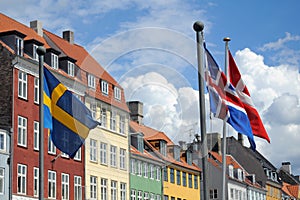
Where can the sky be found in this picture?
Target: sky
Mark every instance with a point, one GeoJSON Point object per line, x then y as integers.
{"type": "Point", "coordinates": [149, 48]}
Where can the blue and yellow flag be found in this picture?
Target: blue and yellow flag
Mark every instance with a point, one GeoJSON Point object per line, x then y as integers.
{"type": "Point", "coordinates": [68, 119]}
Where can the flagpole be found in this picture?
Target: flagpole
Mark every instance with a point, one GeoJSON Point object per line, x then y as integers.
{"type": "Point", "coordinates": [226, 40]}
{"type": "Point", "coordinates": [198, 27]}
{"type": "Point", "coordinates": [41, 52]}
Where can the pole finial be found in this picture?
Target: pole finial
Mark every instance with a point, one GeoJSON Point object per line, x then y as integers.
{"type": "Point", "coordinates": [226, 39]}
{"type": "Point", "coordinates": [198, 26]}
{"type": "Point", "coordinates": [41, 51]}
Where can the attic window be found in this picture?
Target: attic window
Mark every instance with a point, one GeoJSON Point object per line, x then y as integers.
{"type": "Point", "coordinates": [230, 168]}
{"type": "Point", "coordinates": [71, 69]}
{"type": "Point", "coordinates": [54, 61]}
{"type": "Point", "coordinates": [35, 56]}
{"type": "Point", "coordinates": [19, 46]}
{"type": "Point", "coordinates": [91, 81]}
{"type": "Point", "coordinates": [117, 93]}
{"type": "Point", "coordinates": [104, 87]}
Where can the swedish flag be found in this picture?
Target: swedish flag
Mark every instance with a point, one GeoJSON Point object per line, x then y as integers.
{"type": "Point", "coordinates": [68, 119]}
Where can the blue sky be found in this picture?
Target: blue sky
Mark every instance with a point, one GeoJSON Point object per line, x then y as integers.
{"type": "Point", "coordinates": [149, 47]}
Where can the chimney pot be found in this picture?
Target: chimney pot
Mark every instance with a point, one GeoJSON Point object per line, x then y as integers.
{"type": "Point", "coordinates": [69, 36]}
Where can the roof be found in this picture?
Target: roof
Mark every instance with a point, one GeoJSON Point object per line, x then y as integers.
{"type": "Point", "coordinates": [8, 24]}
{"type": "Point", "coordinates": [291, 190]}
{"type": "Point", "coordinates": [145, 154]}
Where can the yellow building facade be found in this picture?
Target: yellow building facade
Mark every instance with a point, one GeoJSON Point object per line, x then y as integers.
{"type": "Point", "coordinates": [273, 191]}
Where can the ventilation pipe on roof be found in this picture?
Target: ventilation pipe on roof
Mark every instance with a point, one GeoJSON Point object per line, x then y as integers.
{"type": "Point", "coordinates": [69, 36]}
{"type": "Point", "coordinates": [37, 26]}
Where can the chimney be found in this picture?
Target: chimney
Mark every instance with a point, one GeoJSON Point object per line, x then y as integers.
{"type": "Point", "coordinates": [37, 26]}
{"type": "Point", "coordinates": [214, 142]}
{"type": "Point", "coordinates": [183, 145]}
{"type": "Point", "coordinates": [240, 139]}
{"type": "Point", "coordinates": [136, 111]}
{"type": "Point", "coordinates": [69, 36]}
{"type": "Point", "coordinates": [287, 167]}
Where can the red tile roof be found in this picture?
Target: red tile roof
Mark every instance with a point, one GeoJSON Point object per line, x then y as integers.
{"type": "Point", "coordinates": [8, 24]}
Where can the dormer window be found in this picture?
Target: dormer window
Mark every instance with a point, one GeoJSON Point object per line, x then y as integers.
{"type": "Point", "coordinates": [240, 174]}
{"type": "Point", "coordinates": [104, 87]}
{"type": "Point", "coordinates": [230, 171]}
{"type": "Point", "coordinates": [117, 93]}
{"type": "Point", "coordinates": [163, 148]}
{"type": "Point", "coordinates": [54, 61]}
{"type": "Point", "coordinates": [19, 46]}
{"type": "Point", "coordinates": [91, 81]}
{"type": "Point", "coordinates": [71, 69]}
{"type": "Point", "coordinates": [35, 56]}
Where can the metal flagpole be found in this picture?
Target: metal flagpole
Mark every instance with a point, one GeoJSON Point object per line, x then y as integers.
{"type": "Point", "coordinates": [41, 52]}
{"type": "Point", "coordinates": [226, 40]}
{"type": "Point", "coordinates": [198, 27]}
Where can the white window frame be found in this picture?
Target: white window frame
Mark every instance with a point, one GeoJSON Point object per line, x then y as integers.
{"type": "Point", "coordinates": [35, 182]}
{"type": "Point", "coordinates": [78, 155]}
{"type": "Point", "coordinates": [113, 190]}
{"type": "Point", "coordinates": [122, 158]}
{"type": "Point", "coordinates": [35, 55]}
{"type": "Point", "coordinates": [71, 69]}
{"type": "Point", "coordinates": [93, 108]}
{"type": "Point", "coordinates": [103, 189]}
{"type": "Point", "coordinates": [158, 173]}
{"type": "Point", "coordinates": [104, 87]}
{"type": "Point", "coordinates": [145, 170]}
{"type": "Point", "coordinates": [113, 121]}
{"type": "Point", "coordinates": [22, 179]}
{"type": "Point", "coordinates": [122, 124]}
{"type": "Point", "coordinates": [77, 188]}
{"type": "Point", "coordinates": [139, 168]}
{"type": "Point", "coordinates": [22, 85]}
{"type": "Point", "coordinates": [19, 46]}
{"type": "Point", "coordinates": [113, 156]}
{"type": "Point", "coordinates": [93, 187]}
{"type": "Point", "coordinates": [2, 180]}
{"type": "Point", "coordinates": [151, 171]}
{"type": "Point", "coordinates": [132, 166]}
{"type": "Point", "coordinates": [65, 186]}
{"type": "Point", "coordinates": [103, 153]}
{"type": "Point", "coordinates": [2, 141]}
{"type": "Point", "coordinates": [122, 191]}
{"type": "Point", "coordinates": [140, 195]}
{"type": "Point", "coordinates": [36, 135]}
{"type": "Point", "coordinates": [22, 131]}
{"type": "Point", "coordinates": [132, 194]}
{"type": "Point", "coordinates": [146, 196]}
{"type": "Point", "coordinates": [51, 147]}
{"type": "Point", "coordinates": [117, 93]}
{"type": "Point", "coordinates": [91, 81]}
{"type": "Point", "coordinates": [103, 117]}
{"type": "Point", "coordinates": [93, 150]}
{"type": "Point", "coordinates": [54, 61]}
{"type": "Point", "coordinates": [36, 90]}
{"type": "Point", "coordinates": [51, 184]}
{"type": "Point", "coordinates": [230, 171]}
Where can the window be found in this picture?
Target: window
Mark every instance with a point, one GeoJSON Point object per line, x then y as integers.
{"type": "Point", "coordinates": [165, 173]}
{"type": "Point", "coordinates": [172, 175]}
{"type": "Point", "coordinates": [117, 93]}
{"type": "Point", "coordinates": [93, 187]}
{"type": "Point", "coordinates": [158, 174]}
{"type": "Point", "coordinates": [35, 55]}
{"type": "Point", "coordinates": [93, 108]}
{"type": "Point", "coordinates": [166, 197]}
{"type": "Point", "coordinates": [2, 141]}
{"type": "Point", "coordinates": [184, 178]}
{"type": "Point", "coordinates": [151, 171]}
{"type": "Point", "coordinates": [240, 174]}
{"type": "Point", "coordinates": [103, 117]}
{"type": "Point", "coordinates": [22, 131]}
{"type": "Point", "coordinates": [113, 121]}
{"type": "Point", "coordinates": [151, 196]}
{"type": "Point", "coordinates": [113, 156]}
{"type": "Point", "coordinates": [113, 190]}
{"type": "Point", "coordinates": [19, 46]}
{"type": "Point", "coordinates": [213, 193]}
{"type": "Point", "coordinates": [123, 191]}
{"type": "Point", "coordinates": [178, 177]}
{"type": "Point", "coordinates": [22, 84]}
{"type": "Point", "coordinates": [78, 155]}
{"type": "Point", "coordinates": [71, 69]}
{"type": "Point", "coordinates": [230, 171]}
{"type": "Point", "coordinates": [77, 188]}
{"type": "Point", "coordinates": [51, 184]}
{"type": "Point", "coordinates": [132, 166]}
{"type": "Point", "coordinates": [91, 81]}
{"type": "Point", "coordinates": [51, 147]}
{"type": "Point", "coordinates": [195, 181]}
{"type": "Point", "coordinates": [104, 87]}
{"type": "Point", "coordinates": [146, 196]}
{"type": "Point", "coordinates": [35, 181]}
{"type": "Point", "coordinates": [103, 153]}
{"type": "Point", "coordinates": [54, 61]}
{"type": "Point", "coordinates": [103, 189]}
{"type": "Point", "coordinates": [36, 90]}
{"type": "Point", "coordinates": [163, 148]}
{"type": "Point", "coordinates": [122, 158]}
{"type": "Point", "coordinates": [140, 196]}
{"type": "Point", "coordinates": [93, 150]}
{"type": "Point", "coordinates": [139, 168]}
{"type": "Point", "coordinates": [22, 174]}
{"type": "Point", "coordinates": [1, 181]}
{"type": "Point", "coordinates": [36, 135]}
{"type": "Point", "coordinates": [122, 124]}
{"type": "Point", "coordinates": [190, 181]}
{"type": "Point", "coordinates": [65, 186]}
{"type": "Point", "coordinates": [132, 195]}
{"type": "Point", "coordinates": [146, 170]}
